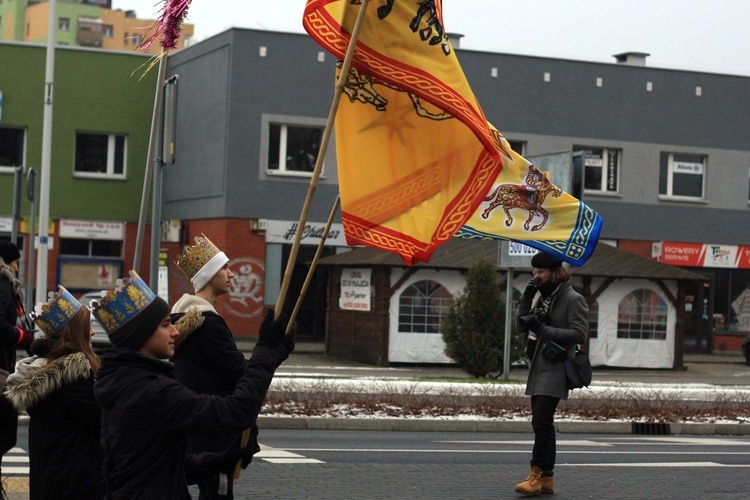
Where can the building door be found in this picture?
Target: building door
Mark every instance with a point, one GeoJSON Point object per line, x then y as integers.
{"type": "Point", "coordinates": [698, 307]}
{"type": "Point", "coordinates": [311, 318]}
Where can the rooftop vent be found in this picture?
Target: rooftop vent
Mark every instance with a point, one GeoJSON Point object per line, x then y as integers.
{"type": "Point", "coordinates": [632, 58]}
{"type": "Point", "coordinates": [455, 40]}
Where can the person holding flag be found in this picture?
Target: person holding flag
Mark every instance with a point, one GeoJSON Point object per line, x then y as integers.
{"type": "Point", "coordinates": [147, 414]}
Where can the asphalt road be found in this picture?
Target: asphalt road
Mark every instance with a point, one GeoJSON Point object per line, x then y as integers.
{"type": "Point", "coordinates": [455, 465]}
{"type": "Point", "coordinates": [390, 465]}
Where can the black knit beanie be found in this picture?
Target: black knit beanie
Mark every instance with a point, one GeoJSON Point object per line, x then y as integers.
{"type": "Point", "coordinates": [135, 333]}
{"type": "Point", "coordinates": [9, 252]}
{"type": "Point", "coordinates": [545, 261]}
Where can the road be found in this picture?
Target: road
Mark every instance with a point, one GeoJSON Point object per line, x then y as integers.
{"type": "Point", "coordinates": [329, 465]}
{"type": "Point", "coordinates": [390, 465]}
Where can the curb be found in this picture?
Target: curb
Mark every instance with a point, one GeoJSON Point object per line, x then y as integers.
{"type": "Point", "coordinates": [507, 426]}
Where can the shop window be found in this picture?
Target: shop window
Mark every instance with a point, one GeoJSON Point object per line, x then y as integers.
{"type": "Point", "coordinates": [601, 169]}
{"type": "Point", "coordinates": [642, 314]}
{"type": "Point", "coordinates": [422, 307]}
{"type": "Point", "coordinates": [11, 147]}
{"type": "Point", "coordinates": [292, 149]}
{"type": "Point", "coordinates": [63, 24]}
{"type": "Point", "coordinates": [682, 176]}
{"type": "Point", "coordinates": [100, 155]}
{"type": "Point", "coordinates": [594, 320]}
{"type": "Point", "coordinates": [90, 248]}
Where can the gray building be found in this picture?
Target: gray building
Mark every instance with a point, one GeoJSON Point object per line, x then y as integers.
{"type": "Point", "coordinates": [665, 155]}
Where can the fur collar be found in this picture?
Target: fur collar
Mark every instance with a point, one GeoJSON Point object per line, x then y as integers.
{"type": "Point", "coordinates": [191, 311]}
{"type": "Point", "coordinates": [9, 274]}
{"type": "Point", "coordinates": [36, 378]}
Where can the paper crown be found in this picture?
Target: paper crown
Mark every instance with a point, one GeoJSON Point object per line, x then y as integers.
{"type": "Point", "coordinates": [196, 256]}
{"type": "Point", "coordinates": [53, 315]}
{"type": "Point", "coordinates": [118, 306]}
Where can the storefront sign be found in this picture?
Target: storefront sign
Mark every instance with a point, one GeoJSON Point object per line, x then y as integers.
{"type": "Point", "coordinates": [355, 289]}
{"type": "Point", "coordinates": [92, 230]}
{"type": "Point", "coordinates": [705, 255]}
{"type": "Point", "coordinates": [281, 231]}
{"type": "Point", "coordinates": [6, 224]}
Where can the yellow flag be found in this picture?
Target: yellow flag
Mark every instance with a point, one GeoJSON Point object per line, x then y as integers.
{"type": "Point", "coordinates": [415, 153]}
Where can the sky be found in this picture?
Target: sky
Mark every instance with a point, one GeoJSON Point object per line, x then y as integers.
{"type": "Point", "coordinates": [692, 35]}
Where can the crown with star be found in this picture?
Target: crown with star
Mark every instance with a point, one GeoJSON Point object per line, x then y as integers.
{"type": "Point", "coordinates": [118, 306]}
{"type": "Point", "coordinates": [53, 315]}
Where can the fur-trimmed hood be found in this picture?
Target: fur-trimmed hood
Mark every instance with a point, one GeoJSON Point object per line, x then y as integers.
{"type": "Point", "coordinates": [36, 378]}
{"type": "Point", "coordinates": [188, 315]}
{"type": "Point", "coordinates": [9, 274]}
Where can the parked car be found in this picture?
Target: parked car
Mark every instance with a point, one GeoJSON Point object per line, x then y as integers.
{"type": "Point", "coordinates": [100, 340]}
{"type": "Point", "coordinates": [746, 349]}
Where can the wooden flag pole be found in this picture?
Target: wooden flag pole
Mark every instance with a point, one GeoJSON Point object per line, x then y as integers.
{"type": "Point", "coordinates": [313, 185]}
{"type": "Point", "coordinates": [314, 263]}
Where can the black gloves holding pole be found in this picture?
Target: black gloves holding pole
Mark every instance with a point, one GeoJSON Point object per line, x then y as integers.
{"type": "Point", "coordinates": [272, 333]}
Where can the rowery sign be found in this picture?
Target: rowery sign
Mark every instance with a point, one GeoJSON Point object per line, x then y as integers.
{"type": "Point", "coordinates": [703, 255]}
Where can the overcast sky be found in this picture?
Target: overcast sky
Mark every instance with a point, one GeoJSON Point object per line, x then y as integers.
{"type": "Point", "coordinates": [679, 34]}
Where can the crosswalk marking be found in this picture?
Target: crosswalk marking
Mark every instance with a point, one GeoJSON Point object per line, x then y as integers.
{"type": "Point", "coordinates": [276, 456]}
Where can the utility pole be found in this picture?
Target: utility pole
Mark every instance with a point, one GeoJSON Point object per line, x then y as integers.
{"type": "Point", "coordinates": [49, 77]}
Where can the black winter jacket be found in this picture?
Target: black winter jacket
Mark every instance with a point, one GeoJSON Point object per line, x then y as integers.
{"type": "Point", "coordinates": [9, 300]}
{"type": "Point", "coordinates": [65, 455]}
{"type": "Point", "coordinates": [206, 360]}
{"type": "Point", "coordinates": [147, 415]}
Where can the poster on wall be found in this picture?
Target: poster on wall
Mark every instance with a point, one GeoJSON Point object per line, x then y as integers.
{"type": "Point", "coordinates": [355, 289]}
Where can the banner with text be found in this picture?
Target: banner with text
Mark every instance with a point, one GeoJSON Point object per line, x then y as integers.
{"type": "Point", "coordinates": [704, 255]}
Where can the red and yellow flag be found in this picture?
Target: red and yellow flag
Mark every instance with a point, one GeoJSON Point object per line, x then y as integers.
{"type": "Point", "coordinates": [415, 153]}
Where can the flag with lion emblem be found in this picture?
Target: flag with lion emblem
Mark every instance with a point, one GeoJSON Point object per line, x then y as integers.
{"type": "Point", "coordinates": [415, 153]}
{"type": "Point", "coordinates": [524, 205]}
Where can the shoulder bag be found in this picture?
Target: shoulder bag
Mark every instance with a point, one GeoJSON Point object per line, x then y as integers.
{"type": "Point", "coordinates": [578, 370]}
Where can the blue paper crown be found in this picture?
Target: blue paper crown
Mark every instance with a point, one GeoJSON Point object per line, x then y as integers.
{"type": "Point", "coordinates": [53, 315]}
{"type": "Point", "coordinates": [118, 306]}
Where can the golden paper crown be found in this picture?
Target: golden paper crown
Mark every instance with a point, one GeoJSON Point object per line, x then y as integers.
{"type": "Point", "coordinates": [53, 315]}
{"type": "Point", "coordinates": [196, 256]}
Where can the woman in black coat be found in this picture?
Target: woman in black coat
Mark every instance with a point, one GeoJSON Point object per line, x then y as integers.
{"type": "Point", "coordinates": [12, 336]}
{"type": "Point", "coordinates": [56, 388]}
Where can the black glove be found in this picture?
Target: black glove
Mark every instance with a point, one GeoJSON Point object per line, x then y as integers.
{"type": "Point", "coordinates": [532, 287]}
{"type": "Point", "coordinates": [533, 323]}
{"type": "Point", "coordinates": [272, 333]}
{"type": "Point", "coordinates": [231, 457]}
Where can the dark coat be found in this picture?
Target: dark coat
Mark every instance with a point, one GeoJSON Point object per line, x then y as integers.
{"type": "Point", "coordinates": [9, 300]}
{"type": "Point", "coordinates": [147, 415]}
{"type": "Point", "coordinates": [567, 326]}
{"type": "Point", "coordinates": [64, 450]}
{"type": "Point", "coordinates": [207, 361]}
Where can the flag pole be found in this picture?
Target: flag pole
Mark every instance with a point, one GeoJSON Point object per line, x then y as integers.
{"type": "Point", "coordinates": [149, 166]}
{"type": "Point", "coordinates": [321, 155]}
{"type": "Point", "coordinates": [313, 185]}
{"type": "Point", "coordinates": [314, 263]}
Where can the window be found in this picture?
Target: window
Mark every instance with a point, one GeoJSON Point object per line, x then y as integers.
{"type": "Point", "coordinates": [594, 320]}
{"type": "Point", "coordinates": [137, 38]}
{"type": "Point", "coordinates": [90, 248]}
{"type": "Point", "coordinates": [63, 24]}
{"type": "Point", "coordinates": [100, 155]}
{"type": "Point", "coordinates": [125, 38]}
{"type": "Point", "coordinates": [601, 169]}
{"type": "Point", "coordinates": [11, 147]}
{"type": "Point", "coordinates": [682, 175]}
{"type": "Point", "coordinates": [293, 149]}
{"type": "Point", "coordinates": [642, 314]}
{"type": "Point", "coordinates": [422, 307]}
{"type": "Point", "coordinates": [518, 146]}
{"type": "Point", "coordinates": [107, 30]}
